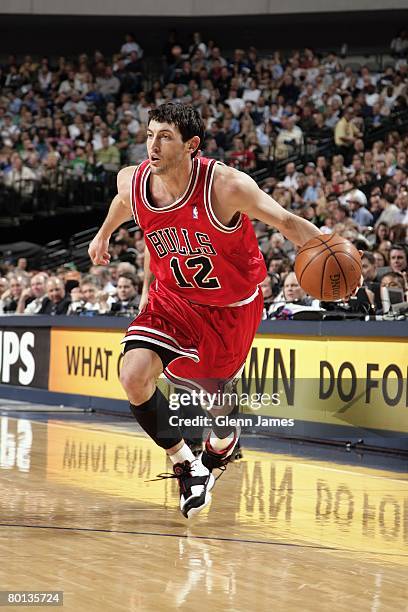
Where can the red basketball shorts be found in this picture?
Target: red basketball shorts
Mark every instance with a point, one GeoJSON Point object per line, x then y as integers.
{"type": "Point", "coordinates": [210, 343]}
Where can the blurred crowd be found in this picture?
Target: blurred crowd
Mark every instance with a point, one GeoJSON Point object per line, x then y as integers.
{"type": "Point", "coordinates": [114, 289]}
{"type": "Point", "coordinates": [88, 113]}
{"type": "Point", "coordinates": [88, 116]}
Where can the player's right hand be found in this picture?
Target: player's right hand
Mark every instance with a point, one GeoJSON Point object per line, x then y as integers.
{"type": "Point", "coordinates": [99, 251]}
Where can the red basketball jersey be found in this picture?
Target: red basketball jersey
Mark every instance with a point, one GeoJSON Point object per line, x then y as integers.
{"type": "Point", "coordinates": [191, 252]}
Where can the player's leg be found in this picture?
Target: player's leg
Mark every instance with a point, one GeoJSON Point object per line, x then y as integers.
{"type": "Point", "coordinates": [142, 365]}
{"type": "Point", "coordinates": [140, 369]}
{"type": "Point", "coordinates": [224, 435]}
{"type": "Point", "coordinates": [225, 344]}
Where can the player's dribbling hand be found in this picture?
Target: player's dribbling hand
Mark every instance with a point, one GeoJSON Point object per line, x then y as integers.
{"type": "Point", "coordinates": [99, 251]}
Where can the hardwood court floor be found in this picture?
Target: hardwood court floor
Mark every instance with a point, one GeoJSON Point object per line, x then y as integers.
{"type": "Point", "coordinates": [79, 513]}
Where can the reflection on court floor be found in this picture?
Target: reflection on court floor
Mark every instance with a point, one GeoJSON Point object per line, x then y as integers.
{"type": "Point", "coordinates": [80, 513]}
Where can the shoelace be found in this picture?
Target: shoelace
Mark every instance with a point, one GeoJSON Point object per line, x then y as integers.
{"type": "Point", "coordinates": [186, 471]}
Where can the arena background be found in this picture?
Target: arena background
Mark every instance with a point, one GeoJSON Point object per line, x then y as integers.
{"type": "Point", "coordinates": [44, 29]}
{"type": "Point", "coordinates": [312, 517]}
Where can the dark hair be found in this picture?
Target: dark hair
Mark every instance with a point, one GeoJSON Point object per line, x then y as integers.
{"type": "Point", "coordinates": [186, 119]}
{"type": "Point", "coordinates": [381, 224]}
{"type": "Point", "coordinates": [395, 275]}
{"type": "Point", "coordinates": [120, 242]}
{"type": "Point", "coordinates": [382, 255]}
{"type": "Point", "coordinates": [131, 277]}
{"type": "Point", "coordinates": [399, 247]}
{"type": "Point", "coordinates": [369, 257]}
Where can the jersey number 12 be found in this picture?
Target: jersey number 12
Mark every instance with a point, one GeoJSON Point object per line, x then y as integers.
{"type": "Point", "coordinates": [201, 278]}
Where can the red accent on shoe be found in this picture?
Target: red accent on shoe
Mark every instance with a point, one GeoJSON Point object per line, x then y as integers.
{"type": "Point", "coordinates": [212, 450]}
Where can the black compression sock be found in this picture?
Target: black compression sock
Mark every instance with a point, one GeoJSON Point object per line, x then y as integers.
{"type": "Point", "coordinates": [154, 417]}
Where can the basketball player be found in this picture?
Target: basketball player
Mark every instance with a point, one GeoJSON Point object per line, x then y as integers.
{"type": "Point", "coordinates": [204, 307]}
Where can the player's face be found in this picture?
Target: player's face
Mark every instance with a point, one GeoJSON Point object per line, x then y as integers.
{"type": "Point", "coordinates": [165, 147]}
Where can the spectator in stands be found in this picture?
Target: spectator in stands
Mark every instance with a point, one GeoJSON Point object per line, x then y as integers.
{"type": "Point", "coordinates": [375, 205]}
{"type": "Point", "coordinates": [392, 280]}
{"type": "Point", "coordinates": [235, 103]}
{"type": "Point", "coordinates": [292, 293]}
{"type": "Point", "coordinates": [76, 300]}
{"type": "Point", "coordinates": [241, 157]}
{"type": "Point", "coordinates": [289, 139]}
{"type": "Point", "coordinates": [402, 203]}
{"type": "Point", "coordinates": [4, 285]}
{"type": "Point", "coordinates": [10, 298]}
{"type": "Point", "coordinates": [22, 264]}
{"type": "Point", "coordinates": [398, 258]}
{"type": "Point", "coordinates": [20, 177]}
{"type": "Point", "coordinates": [9, 131]}
{"type": "Point", "coordinates": [346, 133]}
{"type": "Point", "coordinates": [382, 232]}
{"type": "Point", "coordinates": [130, 45]}
{"type": "Point", "coordinates": [399, 44]}
{"type": "Point", "coordinates": [380, 259]}
{"type": "Point", "coordinates": [137, 151]}
{"type": "Point", "coordinates": [103, 278]}
{"type": "Point", "coordinates": [369, 272]}
{"type": "Point", "coordinates": [313, 191]}
{"type": "Point", "coordinates": [268, 288]}
{"type": "Point", "coordinates": [342, 215]}
{"type": "Point", "coordinates": [291, 179]}
{"type": "Point", "coordinates": [384, 248]}
{"type": "Point", "coordinates": [369, 267]}
{"type": "Point", "coordinates": [127, 295]}
{"type": "Point", "coordinates": [390, 214]}
{"type": "Point", "coordinates": [212, 150]}
{"type": "Point", "coordinates": [56, 302]}
{"type": "Point", "coordinates": [94, 299]}
{"type": "Point", "coordinates": [288, 90]}
{"type": "Point", "coordinates": [120, 251]}
{"type": "Point", "coordinates": [108, 155]}
{"type": "Point", "coordinates": [359, 213]}
{"type": "Point", "coordinates": [108, 85]}
{"type": "Point", "coordinates": [132, 80]}
{"type": "Point", "coordinates": [32, 298]}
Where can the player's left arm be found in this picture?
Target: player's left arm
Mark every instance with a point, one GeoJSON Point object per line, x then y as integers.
{"type": "Point", "coordinates": [241, 193]}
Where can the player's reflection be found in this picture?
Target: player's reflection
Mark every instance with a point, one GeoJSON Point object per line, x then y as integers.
{"type": "Point", "coordinates": [199, 573]}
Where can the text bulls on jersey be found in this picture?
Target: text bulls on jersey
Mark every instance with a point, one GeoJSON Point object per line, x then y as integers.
{"type": "Point", "coordinates": [172, 240]}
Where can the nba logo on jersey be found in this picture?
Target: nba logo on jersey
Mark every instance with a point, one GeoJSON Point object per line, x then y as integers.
{"type": "Point", "coordinates": [195, 212]}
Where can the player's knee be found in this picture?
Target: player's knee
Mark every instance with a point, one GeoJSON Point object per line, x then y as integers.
{"type": "Point", "coordinates": [132, 380]}
{"type": "Point", "coordinates": [137, 382]}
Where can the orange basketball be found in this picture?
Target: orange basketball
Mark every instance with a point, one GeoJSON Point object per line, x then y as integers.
{"type": "Point", "coordinates": [328, 267]}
